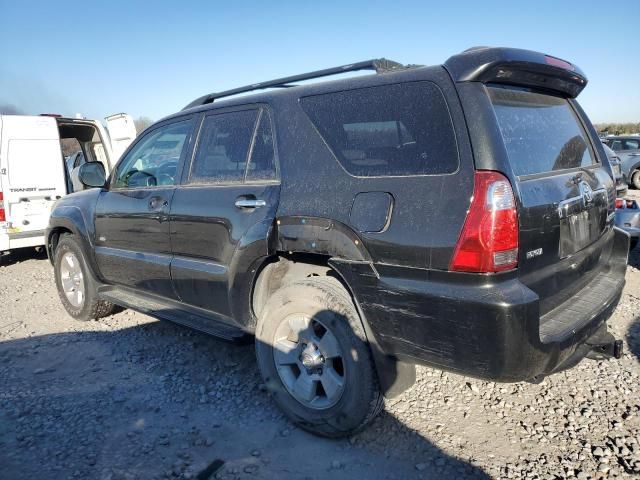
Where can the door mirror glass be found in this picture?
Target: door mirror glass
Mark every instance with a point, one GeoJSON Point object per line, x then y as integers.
{"type": "Point", "coordinates": [92, 174]}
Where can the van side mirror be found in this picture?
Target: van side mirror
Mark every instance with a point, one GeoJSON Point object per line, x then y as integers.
{"type": "Point", "coordinates": [92, 174]}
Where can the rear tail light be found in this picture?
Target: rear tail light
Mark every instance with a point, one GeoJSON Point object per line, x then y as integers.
{"type": "Point", "coordinates": [619, 203]}
{"type": "Point", "coordinates": [3, 217]}
{"type": "Point", "coordinates": [489, 238]}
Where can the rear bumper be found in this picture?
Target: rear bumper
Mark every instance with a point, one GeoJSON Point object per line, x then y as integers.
{"type": "Point", "coordinates": [488, 328]}
{"type": "Point", "coordinates": [21, 240]}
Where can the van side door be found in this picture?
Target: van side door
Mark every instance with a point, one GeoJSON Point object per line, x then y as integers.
{"type": "Point", "coordinates": [226, 203]}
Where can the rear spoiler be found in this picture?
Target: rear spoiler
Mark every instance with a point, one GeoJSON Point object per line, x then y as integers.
{"type": "Point", "coordinates": [518, 67]}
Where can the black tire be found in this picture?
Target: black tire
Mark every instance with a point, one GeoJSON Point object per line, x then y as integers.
{"type": "Point", "coordinates": [91, 307]}
{"type": "Point", "coordinates": [633, 243]}
{"type": "Point", "coordinates": [361, 399]}
{"type": "Point", "coordinates": [635, 179]}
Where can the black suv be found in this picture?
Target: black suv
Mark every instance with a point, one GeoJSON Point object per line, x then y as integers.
{"type": "Point", "coordinates": [459, 216]}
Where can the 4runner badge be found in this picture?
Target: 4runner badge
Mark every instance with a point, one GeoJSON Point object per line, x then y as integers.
{"type": "Point", "coordinates": [534, 253]}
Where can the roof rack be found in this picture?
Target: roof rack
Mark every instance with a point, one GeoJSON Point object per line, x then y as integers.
{"type": "Point", "coordinates": [380, 65]}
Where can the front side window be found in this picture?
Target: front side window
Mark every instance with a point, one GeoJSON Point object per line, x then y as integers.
{"type": "Point", "coordinates": [541, 132]}
{"type": "Point", "coordinates": [391, 130]}
{"type": "Point", "coordinates": [154, 160]}
{"type": "Point", "coordinates": [631, 144]}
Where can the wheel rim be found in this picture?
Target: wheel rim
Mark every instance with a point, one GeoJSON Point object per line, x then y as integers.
{"type": "Point", "coordinates": [72, 279]}
{"type": "Point", "coordinates": [309, 361]}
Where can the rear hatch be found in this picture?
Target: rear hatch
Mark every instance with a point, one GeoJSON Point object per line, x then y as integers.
{"type": "Point", "coordinates": [566, 197]}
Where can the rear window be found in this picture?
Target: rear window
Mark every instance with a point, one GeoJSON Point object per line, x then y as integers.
{"type": "Point", "coordinates": [33, 163]}
{"type": "Point", "coordinates": [541, 133]}
{"type": "Point", "coordinates": [391, 130]}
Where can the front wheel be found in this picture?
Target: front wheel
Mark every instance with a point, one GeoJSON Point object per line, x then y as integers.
{"type": "Point", "coordinates": [635, 179]}
{"type": "Point", "coordinates": [76, 288]}
{"type": "Point", "coordinates": [315, 360]}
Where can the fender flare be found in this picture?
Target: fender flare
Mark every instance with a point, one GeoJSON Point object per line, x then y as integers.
{"type": "Point", "coordinates": [71, 218]}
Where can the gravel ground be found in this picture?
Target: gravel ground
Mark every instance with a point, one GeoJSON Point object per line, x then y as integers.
{"type": "Point", "coordinates": [128, 397]}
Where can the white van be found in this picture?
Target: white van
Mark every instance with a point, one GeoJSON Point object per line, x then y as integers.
{"type": "Point", "coordinates": [33, 172]}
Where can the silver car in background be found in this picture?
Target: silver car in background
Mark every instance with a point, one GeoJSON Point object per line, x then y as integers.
{"type": "Point", "coordinates": [616, 166]}
{"type": "Point", "coordinates": [628, 219]}
{"type": "Point", "coordinates": [627, 148]}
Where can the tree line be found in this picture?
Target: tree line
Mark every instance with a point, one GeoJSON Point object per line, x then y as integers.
{"type": "Point", "coordinates": [618, 128]}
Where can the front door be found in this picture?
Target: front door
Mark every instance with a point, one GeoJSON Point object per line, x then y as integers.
{"type": "Point", "coordinates": [228, 200]}
{"type": "Point", "coordinates": [132, 216]}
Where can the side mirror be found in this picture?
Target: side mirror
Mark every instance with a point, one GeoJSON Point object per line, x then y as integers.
{"type": "Point", "coordinates": [92, 174]}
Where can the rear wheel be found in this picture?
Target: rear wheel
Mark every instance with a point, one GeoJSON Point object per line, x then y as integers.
{"type": "Point", "coordinates": [635, 179]}
{"type": "Point", "coordinates": [315, 360]}
{"type": "Point", "coordinates": [75, 285]}
{"type": "Point", "coordinates": [633, 243]}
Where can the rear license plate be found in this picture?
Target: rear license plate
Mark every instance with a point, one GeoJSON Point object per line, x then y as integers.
{"type": "Point", "coordinates": [579, 230]}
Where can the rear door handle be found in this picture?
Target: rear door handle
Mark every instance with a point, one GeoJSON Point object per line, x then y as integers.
{"type": "Point", "coordinates": [250, 203]}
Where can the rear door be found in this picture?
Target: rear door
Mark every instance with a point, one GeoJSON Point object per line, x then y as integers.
{"type": "Point", "coordinates": [122, 131]}
{"type": "Point", "coordinates": [566, 193]}
{"type": "Point", "coordinates": [230, 187]}
{"type": "Point", "coordinates": [32, 172]}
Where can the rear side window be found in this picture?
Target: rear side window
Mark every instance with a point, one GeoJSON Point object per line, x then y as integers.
{"type": "Point", "coordinates": [541, 133]}
{"type": "Point", "coordinates": [262, 165]}
{"type": "Point", "coordinates": [223, 147]}
{"type": "Point", "coordinates": [391, 130]}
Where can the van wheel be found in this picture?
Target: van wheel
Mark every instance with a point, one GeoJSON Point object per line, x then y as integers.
{"type": "Point", "coordinates": [635, 179]}
{"type": "Point", "coordinates": [76, 287]}
{"type": "Point", "coordinates": [314, 358]}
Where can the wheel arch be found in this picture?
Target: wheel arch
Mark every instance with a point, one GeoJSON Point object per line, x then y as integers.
{"type": "Point", "coordinates": [301, 239]}
{"type": "Point", "coordinates": [633, 170]}
{"type": "Point", "coordinates": [70, 220]}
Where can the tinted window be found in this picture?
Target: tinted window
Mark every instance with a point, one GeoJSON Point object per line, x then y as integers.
{"type": "Point", "coordinates": [154, 159]}
{"type": "Point", "coordinates": [401, 129]}
{"type": "Point", "coordinates": [630, 144]}
{"type": "Point", "coordinates": [223, 147]}
{"type": "Point", "coordinates": [541, 133]}
{"type": "Point", "coordinates": [262, 164]}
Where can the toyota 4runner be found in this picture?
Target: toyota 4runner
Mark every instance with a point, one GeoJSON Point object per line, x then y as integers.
{"type": "Point", "coordinates": [459, 216]}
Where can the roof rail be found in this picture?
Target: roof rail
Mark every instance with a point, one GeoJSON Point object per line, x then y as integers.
{"type": "Point", "coordinates": [380, 65]}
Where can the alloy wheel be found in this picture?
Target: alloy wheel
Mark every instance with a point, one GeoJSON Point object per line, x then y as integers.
{"type": "Point", "coordinates": [309, 361]}
{"type": "Point", "coordinates": [72, 279]}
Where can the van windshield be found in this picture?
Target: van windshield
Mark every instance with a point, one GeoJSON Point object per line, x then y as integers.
{"type": "Point", "coordinates": [541, 133]}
